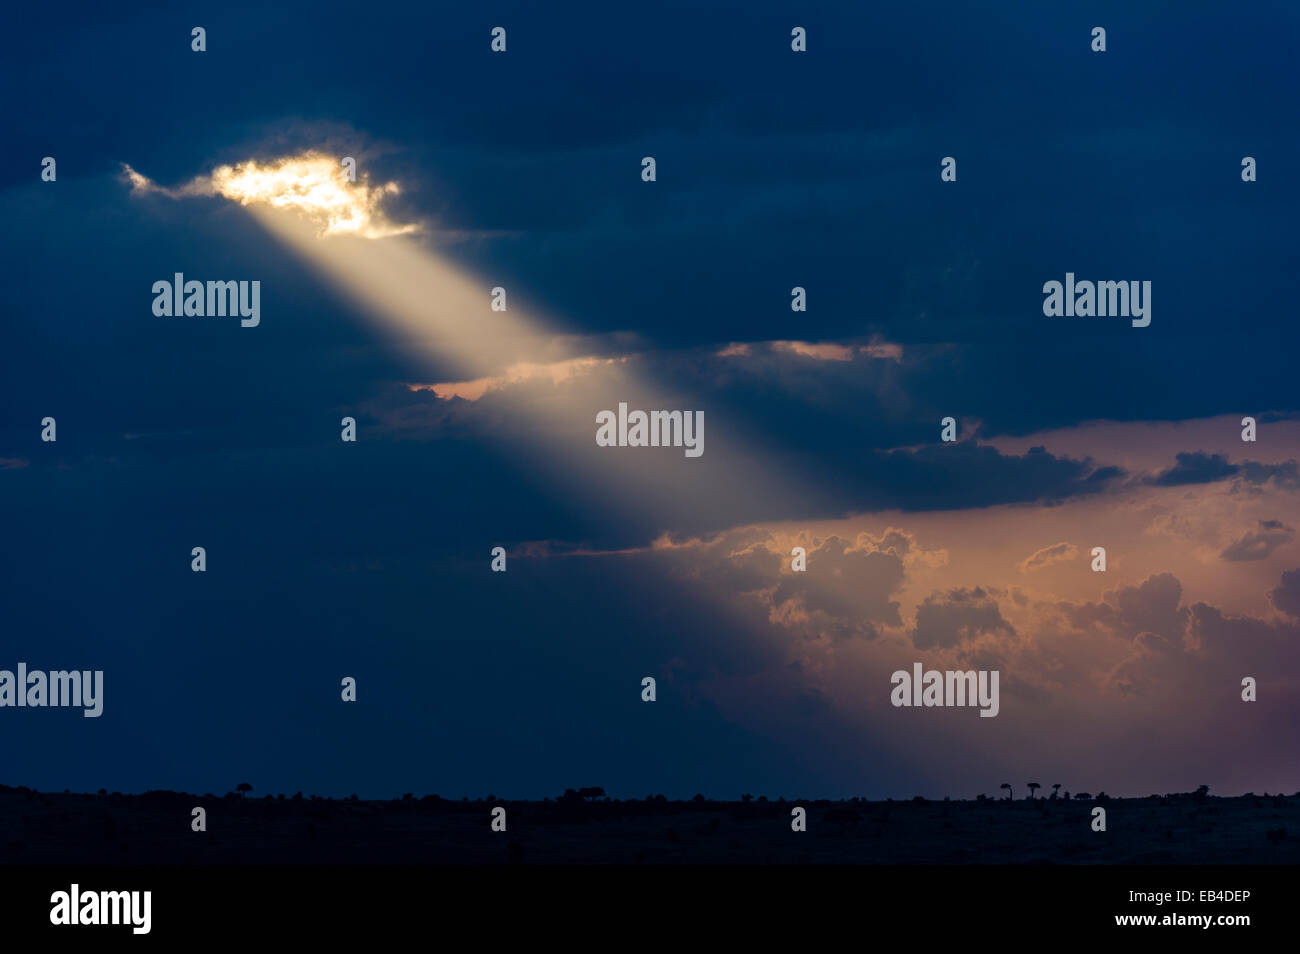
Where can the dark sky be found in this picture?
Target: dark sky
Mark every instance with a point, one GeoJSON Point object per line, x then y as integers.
{"type": "Point", "coordinates": [775, 169]}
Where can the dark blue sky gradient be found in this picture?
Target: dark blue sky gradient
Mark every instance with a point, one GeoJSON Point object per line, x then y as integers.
{"type": "Point", "coordinates": [773, 170]}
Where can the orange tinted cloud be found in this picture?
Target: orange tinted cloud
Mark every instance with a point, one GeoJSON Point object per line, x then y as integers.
{"type": "Point", "coordinates": [1047, 556]}
{"type": "Point", "coordinates": [557, 372]}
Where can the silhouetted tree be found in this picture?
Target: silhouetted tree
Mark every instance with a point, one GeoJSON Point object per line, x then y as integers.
{"type": "Point", "coordinates": [1055, 789]}
{"type": "Point", "coordinates": [1202, 791]}
{"type": "Point", "coordinates": [1007, 786]}
{"type": "Point", "coordinates": [1033, 787]}
{"type": "Point", "coordinates": [243, 788]}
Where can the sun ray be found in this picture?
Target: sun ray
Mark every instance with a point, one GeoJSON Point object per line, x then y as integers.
{"type": "Point", "coordinates": [439, 309]}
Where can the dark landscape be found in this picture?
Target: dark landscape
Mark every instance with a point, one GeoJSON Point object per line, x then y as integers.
{"type": "Point", "coordinates": [585, 827]}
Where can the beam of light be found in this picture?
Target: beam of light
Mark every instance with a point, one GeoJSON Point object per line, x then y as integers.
{"type": "Point", "coordinates": [439, 309]}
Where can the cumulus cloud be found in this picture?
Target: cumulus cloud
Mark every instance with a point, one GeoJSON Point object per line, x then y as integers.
{"type": "Point", "coordinates": [946, 619]}
{"type": "Point", "coordinates": [1258, 543]}
{"type": "Point", "coordinates": [1284, 475]}
{"type": "Point", "coordinates": [1195, 468]}
{"type": "Point", "coordinates": [823, 351]}
{"type": "Point", "coordinates": [1142, 641]}
{"type": "Point", "coordinates": [1151, 606]}
{"type": "Point", "coordinates": [1286, 596]}
{"type": "Point", "coordinates": [1056, 553]}
{"type": "Point", "coordinates": [737, 349]}
{"type": "Point", "coordinates": [556, 372]}
{"type": "Point", "coordinates": [311, 183]}
{"type": "Point", "coordinates": [874, 348]}
{"type": "Point", "coordinates": [849, 592]}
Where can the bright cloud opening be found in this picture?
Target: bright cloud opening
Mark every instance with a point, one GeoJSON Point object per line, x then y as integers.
{"type": "Point", "coordinates": [312, 184]}
{"type": "Point", "coordinates": [557, 371]}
